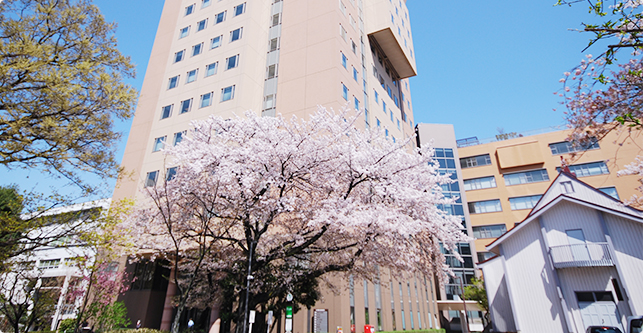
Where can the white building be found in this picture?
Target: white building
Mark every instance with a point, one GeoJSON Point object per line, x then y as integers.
{"type": "Point", "coordinates": [54, 264]}
{"type": "Point", "coordinates": [576, 260]}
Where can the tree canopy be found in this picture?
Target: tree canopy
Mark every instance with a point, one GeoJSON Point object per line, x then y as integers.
{"type": "Point", "coordinates": [61, 88]}
{"type": "Point", "coordinates": [294, 200]}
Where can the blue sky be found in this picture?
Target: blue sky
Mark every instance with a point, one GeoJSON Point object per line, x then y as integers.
{"type": "Point", "coordinates": [482, 65]}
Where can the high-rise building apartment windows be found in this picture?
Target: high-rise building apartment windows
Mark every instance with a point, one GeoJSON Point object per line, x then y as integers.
{"type": "Point", "coordinates": [240, 9]}
{"type": "Point", "coordinates": [588, 169]}
{"type": "Point", "coordinates": [191, 77]}
{"type": "Point", "coordinates": [159, 143]}
{"type": "Point", "coordinates": [342, 32]}
{"type": "Point", "coordinates": [235, 34]}
{"type": "Point", "coordinates": [526, 202]}
{"type": "Point", "coordinates": [150, 178]}
{"type": "Point", "coordinates": [219, 17]}
{"type": "Point", "coordinates": [189, 10]}
{"type": "Point", "coordinates": [342, 7]}
{"type": "Point", "coordinates": [211, 69]}
{"type": "Point", "coordinates": [344, 92]}
{"type": "Point", "coordinates": [227, 93]}
{"type": "Point", "coordinates": [205, 3]}
{"type": "Point", "coordinates": [166, 111]}
{"type": "Point", "coordinates": [201, 25]}
{"type": "Point", "coordinates": [487, 206]}
{"type": "Point", "coordinates": [474, 161]}
{"type": "Point", "coordinates": [197, 49]}
{"type": "Point", "coordinates": [178, 137]}
{"type": "Point", "coordinates": [178, 56]}
{"type": "Point", "coordinates": [206, 100]}
{"type": "Point", "coordinates": [272, 69]}
{"type": "Point", "coordinates": [489, 231]}
{"type": "Point", "coordinates": [186, 105]}
{"type": "Point", "coordinates": [355, 74]}
{"type": "Point", "coordinates": [215, 42]}
{"type": "Point", "coordinates": [275, 20]}
{"type": "Point", "coordinates": [170, 173]}
{"type": "Point", "coordinates": [354, 47]}
{"type": "Point", "coordinates": [356, 103]}
{"type": "Point", "coordinates": [232, 62]}
{"type": "Point", "coordinates": [384, 106]}
{"type": "Point", "coordinates": [479, 183]}
{"type": "Point", "coordinates": [273, 44]}
{"type": "Point", "coordinates": [526, 177]}
{"type": "Point", "coordinates": [377, 97]}
{"type": "Point", "coordinates": [173, 82]}
{"type": "Point", "coordinates": [567, 147]}
{"type": "Point", "coordinates": [344, 60]}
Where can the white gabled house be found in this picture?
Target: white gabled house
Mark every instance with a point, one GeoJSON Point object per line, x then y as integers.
{"type": "Point", "coordinates": [576, 260]}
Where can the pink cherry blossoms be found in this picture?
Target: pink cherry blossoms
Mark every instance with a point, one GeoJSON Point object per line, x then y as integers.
{"type": "Point", "coordinates": [304, 197]}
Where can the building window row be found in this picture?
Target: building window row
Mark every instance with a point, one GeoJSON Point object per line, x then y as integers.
{"type": "Point", "coordinates": [215, 42]}
{"type": "Point", "coordinates": [479, 183]}
{"type": "Point", "coordinates": [205, 100]}
{"type": "Point", "coordinates": [526, 177]}
{"type": "Point", "coordinates": [475, 161]}
{"type": "Point", "coordinates": [486, 206]}
{"type": "Point", "coordinates": [588, 169]}
{"type": "Point", "coordinates": [210, 69]}
{"type": "Point", "coordinates": [218, 18]}
{"type": "Point", "coordinates": [489, 231]}
{"type": "Point", "coordinates": [566, 147]}
{"type": "Point", "coordinates": [526, 202]}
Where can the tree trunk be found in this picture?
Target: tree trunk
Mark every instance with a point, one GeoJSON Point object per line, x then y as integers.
{"type": "Point", "coordinates": [177, 317]}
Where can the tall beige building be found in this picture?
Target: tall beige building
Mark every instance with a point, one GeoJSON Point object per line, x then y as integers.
{"type": "Point", "coordinates": [504, 179]}
{"type": "Point", "coordinates": [224, 57]}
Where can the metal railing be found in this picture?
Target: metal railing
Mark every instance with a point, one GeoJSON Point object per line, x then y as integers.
{"type": "Point", "coordinates": [581, 255]}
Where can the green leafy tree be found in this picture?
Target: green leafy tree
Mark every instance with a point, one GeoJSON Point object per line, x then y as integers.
{"type": "Point", "coordinates": [476, 292]}
{"type": "Point", "coordinates": [61, 88]}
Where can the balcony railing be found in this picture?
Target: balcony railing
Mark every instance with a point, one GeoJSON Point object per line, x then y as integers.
{"type": "Point", "coordinates": [581, 255]}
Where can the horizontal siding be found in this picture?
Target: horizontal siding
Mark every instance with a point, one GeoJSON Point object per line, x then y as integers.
{"type": "Point", "coordinates": [627, 237]}
{"type": "Point", "coordinates": [532, 284]}
{"type": "Point", "coordinates": [566, 216]}
{"type": "Point", "coordinates": [588, 279]}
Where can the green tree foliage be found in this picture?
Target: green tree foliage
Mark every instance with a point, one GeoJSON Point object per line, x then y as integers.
{"type": "Point", "coordinates": [61, 88]}
{"type": "Point", "coordinates": [476, 292]}
{"type": "Point", "coordinates": [11, 226]}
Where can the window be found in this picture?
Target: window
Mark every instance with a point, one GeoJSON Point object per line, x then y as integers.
{"type": "Point", "coordinates": [391, 113]}
{"type": "Point", "coordinates": [159, 143]}
{"type": "Point", "coordinates": [386, 132]}
{"type": "Point", "coordinates": [342, 32]}
{"type": "Point", "coordinates": [344, 92]}
{"type": "Point", "coordinates": [173, 82]}
{"type": "Point", "coordinates": [273, 44]}
{"type": "Point", "coordinates": [479, 183]}
{"type": "Point", "coordinates": [489, 231]}
{"type": "Point", "coordinates": [526, 177]}
{"type": "Point", "coordinates": [269, 102]}
{"type": "Point", "coordinates": [211, 69]}
{"type": "Point", "coordinates": [186, 105]}
{"type": "Point", "coordinates": [356, 103]}
{"type": "Point", "coordinates": [398, 124]}
{"type": "Point", "coordinates": [568, 147]}
{"type": "Point", "coordinates": [197, 49]}
{"type": "Point", "coordinates": [344, 60]}
{"type": "Point", "coordinates": [377, 121]}
{"type": "Point", "coordinates": [488, 206]}
{"type": "Point", "coordinates": [206, 100]}
{"type": "Point", "coordinates": [219, 17]}
{"type": "Point", "coordinates": [49, 264]}
{"type": "Point", "coordinates": [611, 191]}
{"type": "Point", "coordinates": [354, 47]}
{"type": "Point", "coordinates": [191, 76]}
{"type": "Point", "coordinates": [150, 179]}
{"type": "Point", "coordinates": [235, 34]}
{"type": "Point", "coordinates": [215, 42]}
{"type": "Point", "coordinates": [227, 93]}
{"type": "Point", "coordinates": [342, 7]}
{"type": "Point", "coordinates": [178, 137]}
{"type": "Point", "coordinates": [351, 20]}
{"type": "Point", "coordinates": [205, 3]}
{"type": "Point", "coordinates": [355, 74]}
{"type": "Point", "coordinates": [588, 169]}
{"type": "Point", "coordinates": [384, 106]}
{"type": "Point", "coordinates": [189, 10]}
{"type": "Point", "coordinates": [271, 71]}
{"type": "Point", "coordinates": [184, 32]}
{"type": "Point", "coordinates": [166, 111]}
{"type": "Point", "coordinates": [240, 9]}
{"type": "Point", "coordinates": [526, 202]}
{"type": "Point", "coordinates": [377, 97]}
{"type": "Point", "coordinates": [201, 25]}
{"type": "Point", "coordinates": [566, 187]}
{"type": "Point", "coordinates": [275, 20]}
{"type": "Point", "coordinates": [482, 256]}
{"type": "Point", "coordinates": [474, 161]}
{"type": "Point", "coordinates": [232, 62]}
{"type": "Point", "coordinates": [170, 173]}
{"type": "Point", "coordinates": [178, 56]}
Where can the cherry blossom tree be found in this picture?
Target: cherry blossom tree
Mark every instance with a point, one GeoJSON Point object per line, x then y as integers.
{"type": "Point", "coordinates": [263, 207]}
{"type": "Point", "coordinates": [601, 94]}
